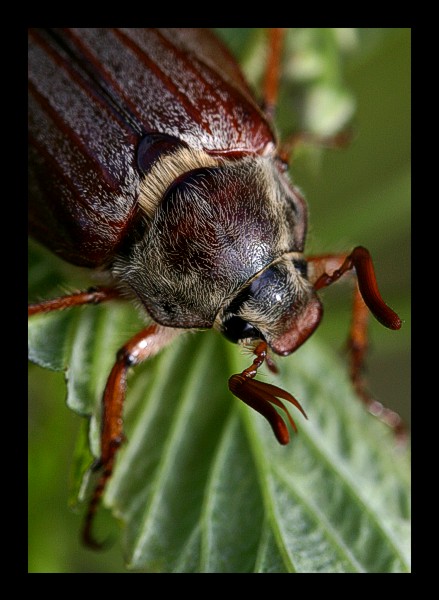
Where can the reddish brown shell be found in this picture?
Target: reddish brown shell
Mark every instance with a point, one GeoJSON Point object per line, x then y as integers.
{"type": "Point", "coordinates": [94, 94]}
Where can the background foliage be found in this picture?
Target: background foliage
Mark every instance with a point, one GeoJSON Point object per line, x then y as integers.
{"type": "Point", "coordinates": [360, 194]}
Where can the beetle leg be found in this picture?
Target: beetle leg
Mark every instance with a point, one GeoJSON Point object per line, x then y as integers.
{"type": "Point", "coordinates": [360, 260]}
{"type": "Point", "coordinates": [145, 344]}
{"type": "Point", "coordinates": [91, 296]}
{"type": "Point", "coordinates": [272, 73]}
{"type": "Point", "coordinates": [261, 395]}
{"type": "Point", "coordinates": [288, 146]}
{"type": "Point", "coordinates": [271, 91]}
{"type": "Point", "coordinates": [325, 270]}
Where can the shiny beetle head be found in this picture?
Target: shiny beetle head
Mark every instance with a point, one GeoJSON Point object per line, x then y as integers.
{"type": "Point", "coordinates": [220, 245]}
{"type": "Point", "coordinates": [279, 305]}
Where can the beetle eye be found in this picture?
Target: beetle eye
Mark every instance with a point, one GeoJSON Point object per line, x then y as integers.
{"type": "Point", "coordinates": [235, 329]}
{"type": "Point", "coordinates": [301, 266]}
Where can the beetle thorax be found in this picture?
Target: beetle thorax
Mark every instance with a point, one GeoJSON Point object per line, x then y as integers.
{"type": "Point", "coordinates": [213, 229]}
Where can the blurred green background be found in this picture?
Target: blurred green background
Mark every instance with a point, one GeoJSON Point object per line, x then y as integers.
{"type": "Point", "coordinates": [362, 195]}
{"type": "Point", "coordinates": [357, 195]}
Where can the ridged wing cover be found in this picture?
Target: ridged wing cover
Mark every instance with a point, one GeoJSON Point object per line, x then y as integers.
{"type": "Point", "coordinates": [93, 95]}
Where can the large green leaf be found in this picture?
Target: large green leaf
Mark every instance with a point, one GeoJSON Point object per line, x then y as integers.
{"type": "Point", "coordinates": [201, 484]}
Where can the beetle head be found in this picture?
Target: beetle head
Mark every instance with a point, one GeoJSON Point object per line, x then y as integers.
{"type": "Point", "coordinates": [279, 305]}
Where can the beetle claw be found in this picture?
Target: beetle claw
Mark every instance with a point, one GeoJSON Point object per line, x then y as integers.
{"type": "Point", "coordinates": [89, 540]}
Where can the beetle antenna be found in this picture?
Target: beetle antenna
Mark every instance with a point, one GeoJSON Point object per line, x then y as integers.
{"type": "Point", "coordinates": [261, 396]}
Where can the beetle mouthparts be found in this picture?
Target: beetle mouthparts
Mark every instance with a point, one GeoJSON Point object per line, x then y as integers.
{"type": "Point", "coordinates": [301, 327]}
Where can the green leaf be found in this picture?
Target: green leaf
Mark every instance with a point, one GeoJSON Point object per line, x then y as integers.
{"type": "Point", "coordinates": [201, 484]}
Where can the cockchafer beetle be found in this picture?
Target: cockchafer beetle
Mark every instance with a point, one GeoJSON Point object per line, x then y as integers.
{"type": "Point", "coordinates": [150, 159]}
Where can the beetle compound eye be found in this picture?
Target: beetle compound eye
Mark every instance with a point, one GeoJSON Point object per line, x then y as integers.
{"type": "Point", "coordinates": [235, 329]}
{"type": "Point", "coordinates": [301, 266]}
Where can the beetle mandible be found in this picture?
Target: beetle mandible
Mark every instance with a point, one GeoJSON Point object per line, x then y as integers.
{"type": "Point", "coordinates": [150, 159]}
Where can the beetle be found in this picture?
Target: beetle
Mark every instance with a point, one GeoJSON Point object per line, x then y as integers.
{"type": "Point", "coordinates": [150, 160]}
